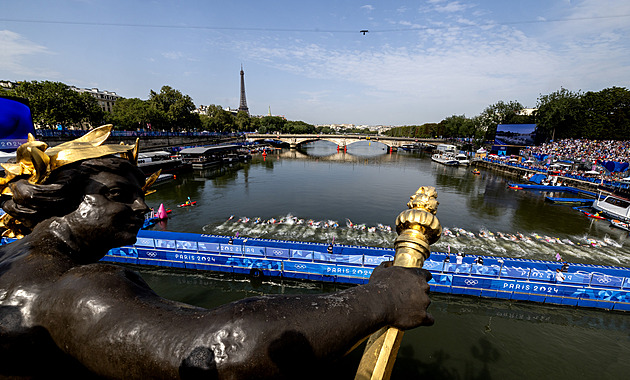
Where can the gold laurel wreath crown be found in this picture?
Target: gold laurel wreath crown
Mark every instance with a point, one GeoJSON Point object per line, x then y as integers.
{"type": "Point", "coordinates": [35, 160]}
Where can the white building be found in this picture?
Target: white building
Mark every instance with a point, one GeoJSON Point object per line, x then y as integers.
{"type": "Point", "coordinates": [106, 99]}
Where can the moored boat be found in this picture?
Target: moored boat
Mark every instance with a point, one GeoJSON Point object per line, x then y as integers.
{"type": "Point", "coordinates": [613, 206]}
{"type": "Point", "coordinates": [445, 159]}
{"type": "Point", "coordinates": [151, 162]}
{"type": "Point", "coordinates": [462, 159]}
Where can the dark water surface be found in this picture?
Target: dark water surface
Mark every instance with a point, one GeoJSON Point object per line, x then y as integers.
{"type": "Point", "coordinates": [473, 338]}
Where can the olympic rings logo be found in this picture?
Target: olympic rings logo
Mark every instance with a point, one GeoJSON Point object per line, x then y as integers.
{"type": "Point", "coordinates": [300, 266]}
{"type": "Point", "coordinates": [604, 280]}
{"type": "Point", "coordinates": [471, 282]}
{"type": "Point", "coordinates": [152, 254]}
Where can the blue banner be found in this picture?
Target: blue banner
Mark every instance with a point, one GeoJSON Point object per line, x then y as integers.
{"type": "Point", "coordinates": [16, 123]}
{"type": "Point", "coordinates": [348, 271]}
{"type": "Point", "coordinates": [187, 245]}
{"type": "Point", "coordinates": [301, 254]}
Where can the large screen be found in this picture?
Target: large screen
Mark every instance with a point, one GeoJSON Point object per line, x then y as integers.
{"type": "Point", "coordinates": [16, 123]}
{"type": "Point", "coordinates": [515, 135]}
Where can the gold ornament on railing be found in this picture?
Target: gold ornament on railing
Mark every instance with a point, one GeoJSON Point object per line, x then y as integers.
{"type": "Point", "coordinates": [417, 229]}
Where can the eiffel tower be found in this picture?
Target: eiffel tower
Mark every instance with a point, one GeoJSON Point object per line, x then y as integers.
{"type": "Point", "coordinates": [243, 105]}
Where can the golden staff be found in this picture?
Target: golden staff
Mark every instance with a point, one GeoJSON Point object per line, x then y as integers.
{"type": "Point", "coordinates": [417, 228]}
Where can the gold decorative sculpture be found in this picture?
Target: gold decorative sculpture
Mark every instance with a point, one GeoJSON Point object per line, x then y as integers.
{"type": "Point", "coordinates": [417, 229]}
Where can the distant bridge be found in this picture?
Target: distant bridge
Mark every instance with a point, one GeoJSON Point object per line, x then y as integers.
{"type": "Point", "coordinates": [342, 140]}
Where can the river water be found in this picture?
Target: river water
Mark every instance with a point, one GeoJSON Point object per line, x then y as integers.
{"type": "Point", "coordinates": [314, 190]}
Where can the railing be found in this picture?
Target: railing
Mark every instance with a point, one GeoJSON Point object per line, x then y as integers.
{"type": "Point", "coordinates": [78, 133]}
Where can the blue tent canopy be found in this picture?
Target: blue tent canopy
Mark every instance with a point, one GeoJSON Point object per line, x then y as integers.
{"type": "Point", "coordinates": [613, 166]}
{"type": "Point", "coordinates": [16, 123]}
{"type": "Point", "coordinates": [538, 178]}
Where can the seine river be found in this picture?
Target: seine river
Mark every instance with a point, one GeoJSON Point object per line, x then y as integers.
{"type": "Point", "coordinates": [318, 193]}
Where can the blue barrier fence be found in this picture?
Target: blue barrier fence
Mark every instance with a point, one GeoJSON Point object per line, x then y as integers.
{"type": "Point", "coordinates": [517, 279]}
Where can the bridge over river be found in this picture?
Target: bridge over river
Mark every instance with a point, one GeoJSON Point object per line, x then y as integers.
{"type": "Point", "coordinates": [342, 141]}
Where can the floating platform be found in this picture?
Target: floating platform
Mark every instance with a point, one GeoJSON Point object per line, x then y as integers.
{"type": "Point", "coordinates": [571, 201]}
{"type": "Point", "coordinates": [557, 189]}
{"type": "Point", "coordinates": [593, 286]}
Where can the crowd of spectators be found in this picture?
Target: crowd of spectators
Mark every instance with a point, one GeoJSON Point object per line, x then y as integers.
{"type": "Point", "coordinates": [576, 158]}
{"type": "Point", "coordinates": [589, 151]}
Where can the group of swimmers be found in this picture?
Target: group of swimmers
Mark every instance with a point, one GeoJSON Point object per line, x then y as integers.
{"type": "Point", "coordinates": [452, 232]}
{"type": "Point", "coordinates": [292, 220]}
{"type": "Point", "coordinates": [518, 237]}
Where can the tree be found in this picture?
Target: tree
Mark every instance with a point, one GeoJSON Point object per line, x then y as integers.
{"type": "Point", "coordinates": [458, 126]}
{"type": "Point", "coordinates": [134, 113]}
{"type": "Point", "coordinates": [299, 127]}
{"type": "Point", "coordinates": [419, 131]}
{"type": "Point", "coordinates": [273, 124]}
{"type": "Point", "coordinates": [606, 113]}
{"type": "Point", "coordinates": [176, 109]}
{"type": "Point", "coordinates": [223, 121]}
{"type": "Point", "coordinates": [91, 112]}
{"type": "Point", "coordinates": [498, 113]}
{"type": "Point", "coordinates": [242, 121]}
{"type": "Point", "coordinates": [55, 103]}
{"type": "Point", "coordinates": [558, 115]}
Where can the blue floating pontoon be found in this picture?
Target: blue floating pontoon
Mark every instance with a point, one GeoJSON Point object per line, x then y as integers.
{"type": "Point", "coordinates": [584, 285]}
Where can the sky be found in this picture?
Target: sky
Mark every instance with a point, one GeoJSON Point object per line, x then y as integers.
{"type": "Point", "coordinates": [419, 62]}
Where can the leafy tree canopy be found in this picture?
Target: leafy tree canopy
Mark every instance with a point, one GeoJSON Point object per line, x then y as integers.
{"type": "Point", "coordinates": [54, 103]}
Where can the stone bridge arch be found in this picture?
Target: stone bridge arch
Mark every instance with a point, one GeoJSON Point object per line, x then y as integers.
{"type": "Point", "coordinates": [341, 141]}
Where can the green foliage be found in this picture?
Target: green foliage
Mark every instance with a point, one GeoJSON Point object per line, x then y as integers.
{"type": "Point", "coordinates": [273, 124]}
{"type": "Point", "coordinates": [133, 113]}
{"type": "Point", "coordinates": [174, 109]}
{"type": "Point", "coordinates": [498, 113]}
{"type": "Point", "coordinates": [241, 121]}
{"type": "Point", "coordinates": [299, 127]}
{"type": "Point", "coordinates": [606, 113]}
{"type": "Point", "coordinates": [55, 103]}
{"type": "Point", "coordinates": [427, 130]}
{"type": "Point", "coordinates": [325, 130]}
{"type": "Point", "coordinates": [90, 111]}
{"type": "Point", "coordinates": [558, 115]}
{"type": "Point", "coordinates": [6, 92]}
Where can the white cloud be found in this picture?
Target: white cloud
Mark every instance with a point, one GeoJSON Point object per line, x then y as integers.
{"type": "Point", "coordinates": [450, 7]}
{"type": "Point", "coordinates": [172, 55]}
{"type": "Point", "coordinates": [368, 7]}
{"type": "Point", "coordinates": [17, 54]}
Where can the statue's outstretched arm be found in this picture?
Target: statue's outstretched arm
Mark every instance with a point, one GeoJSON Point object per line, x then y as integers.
{"type": "Point", "coordinates": [114, 324]}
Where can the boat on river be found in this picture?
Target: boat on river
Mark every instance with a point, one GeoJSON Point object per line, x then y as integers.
{"type": "Point", "coordinates": [151, 162]}
{"type": "Point", "coordinates": [462, 159]}
{"type": "Point", "coordinates": [445, 159]}
{"type": "Point", "coordinates": [445, 155]}
{"type": "Point", "coordinates": [584, 285]}
{"type": "Point", "coordinates": [614, 207]}
{"type": "Point", "coordinates": [206, 156]}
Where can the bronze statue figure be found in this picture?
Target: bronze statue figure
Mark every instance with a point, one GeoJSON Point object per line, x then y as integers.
{"type": "Point", "coordinates": [63, 313]}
